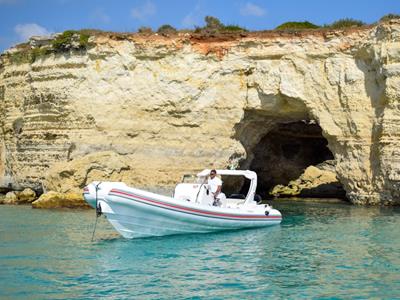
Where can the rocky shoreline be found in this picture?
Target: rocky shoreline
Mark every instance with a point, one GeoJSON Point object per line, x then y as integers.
{"type": "Point", "coordinates": [47, 200]}
{"type": "Point", "coordinates": [318, 182]}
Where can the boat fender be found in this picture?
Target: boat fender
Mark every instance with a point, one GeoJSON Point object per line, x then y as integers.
{"type": "Point", "coordinates": [267, 212]}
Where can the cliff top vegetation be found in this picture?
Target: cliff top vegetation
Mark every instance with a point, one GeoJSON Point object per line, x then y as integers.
{"type": "Point", "coordinates": [213, 30]}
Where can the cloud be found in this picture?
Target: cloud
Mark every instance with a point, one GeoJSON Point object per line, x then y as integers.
{"type": "Point", "coordinates": [194, 18]}
{"type": "Point", "coordinates": [25, 31]}
{"type": "Point", "coordinates": [100, 16]}
{"type": "Point", "coordinates": [144, 11]}
{"type": "Point", "coordinates": [250, 9]}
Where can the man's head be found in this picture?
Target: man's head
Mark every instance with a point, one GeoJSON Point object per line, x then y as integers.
{"type": "Point", "coordinates": [213, 173]}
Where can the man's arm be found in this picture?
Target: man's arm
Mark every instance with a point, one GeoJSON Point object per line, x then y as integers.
{"type": "Point", "coordinates": [219, 188]}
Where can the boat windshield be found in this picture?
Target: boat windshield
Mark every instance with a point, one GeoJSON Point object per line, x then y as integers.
{"type": "Point", "coordinates": [190, 178]}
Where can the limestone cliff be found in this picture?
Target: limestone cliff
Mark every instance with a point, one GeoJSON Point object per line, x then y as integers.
{"type": "Point", "coordinates": [145, 110]}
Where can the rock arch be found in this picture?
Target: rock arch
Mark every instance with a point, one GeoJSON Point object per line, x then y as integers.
{"type": "Point", "coordinates": [341, 93]}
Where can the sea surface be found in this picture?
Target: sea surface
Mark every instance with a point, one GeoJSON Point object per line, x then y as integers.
{"type": "Point", "coordinates": [320, 251]}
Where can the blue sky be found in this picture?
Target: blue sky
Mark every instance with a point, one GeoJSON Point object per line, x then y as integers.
{"type": "Point", "coordinates": [20, 19]}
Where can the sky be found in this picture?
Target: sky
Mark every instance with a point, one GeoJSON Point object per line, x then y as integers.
{"type": "Point", "coordinates": [20, 19]}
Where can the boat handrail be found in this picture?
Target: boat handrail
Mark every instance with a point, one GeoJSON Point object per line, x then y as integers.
{"type": "Point", "coordinates": [201, 185]}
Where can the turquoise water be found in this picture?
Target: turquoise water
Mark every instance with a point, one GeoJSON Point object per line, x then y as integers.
{"type": "Point", "coordinates": [320, 251]}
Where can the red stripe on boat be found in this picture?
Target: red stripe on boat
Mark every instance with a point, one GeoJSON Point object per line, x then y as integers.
{"type": "Point", "coordinates": [194, 210]}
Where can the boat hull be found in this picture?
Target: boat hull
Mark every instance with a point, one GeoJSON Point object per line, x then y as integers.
{"type": "Point", "coordinates": [135, 213]}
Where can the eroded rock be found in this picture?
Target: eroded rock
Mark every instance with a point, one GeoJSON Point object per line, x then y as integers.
{"type": "Point", "coordinates": [11, 198]}
{"type": "Point", "coordinates": [314, 182]}
{"type": "Point", "coordinates": [60, 200]}
{"type": "Point", "coordinates": [26, 196]}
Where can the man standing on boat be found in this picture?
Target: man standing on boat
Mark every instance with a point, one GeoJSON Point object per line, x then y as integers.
{"type": "Point", "coordinates": [215, 185]}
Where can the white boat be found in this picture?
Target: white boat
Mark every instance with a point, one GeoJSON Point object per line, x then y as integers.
{"type": "Point", "coordinates": [137, 213]}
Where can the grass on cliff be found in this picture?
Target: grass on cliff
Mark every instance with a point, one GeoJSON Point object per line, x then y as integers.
{"type": "Point", "coordinates": [71, 39]}
{"type": "Point", "coordinates": [339, 24]}
{"type": "Point", "coordinates": [215, 26]}
{"type": "Point", "coordinates": [389, 17]}
{"type": "Point", "coordinates": [68, 40]}
{"type": "Point", "coordinates": [297, 26]}
{"type": "Point", "coordinates": [345, 23]}
{"type": "Point", "coordinates": [166, 29]}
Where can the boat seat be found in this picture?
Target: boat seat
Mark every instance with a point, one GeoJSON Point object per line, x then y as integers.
{"type": "Point", "coordinates": [222, 199]}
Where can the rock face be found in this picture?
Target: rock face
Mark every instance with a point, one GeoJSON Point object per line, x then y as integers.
{"type": "Point", "coordinates": [146, 110]}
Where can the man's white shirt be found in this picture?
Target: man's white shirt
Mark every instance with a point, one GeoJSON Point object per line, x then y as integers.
{"type": "Point", "coordinates": [214, 183]}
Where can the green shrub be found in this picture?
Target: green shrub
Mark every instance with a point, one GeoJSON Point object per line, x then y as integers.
{"type": "Point", "coordinates": [145, 30]}
{"type": "Point", "coordinates": [234, 28]}
{"type": "Point", "coordinates": [214, 26]}
{"type": "Point", "coordinates": [346, 23]}
{"type": "Point", "coordinates": [27, 55]}
{"type": "Point", "coordinates": [84, 40]}
{"type": "Point", "coordinates": [389, 17]}
{"type": "Point", "coordinates": [297, 26]}
{"type": "Point", "coordinates": [198, 29]}
{"type": "Point", "coordinates": [71, 39]}
{"type": "Point", "coordinates": [62, 41]}
{"type": "Point", "coordinates": [20, 57]}
{"type": "Point", "coordinates": [166, 29]}
{"type": "Point", "coordinates": [38, 53]}
{"type": "Point", "coordinates": [213, 23]}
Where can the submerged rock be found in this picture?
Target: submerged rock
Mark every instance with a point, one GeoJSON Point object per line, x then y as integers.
{"type": "Point", "coordinates": [60, 200]}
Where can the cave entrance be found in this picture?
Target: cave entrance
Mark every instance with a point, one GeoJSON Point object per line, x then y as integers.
{"type": "Point", "coordinates": [286, 151]}
{"type": "Point", "coordinates": [280, 150]}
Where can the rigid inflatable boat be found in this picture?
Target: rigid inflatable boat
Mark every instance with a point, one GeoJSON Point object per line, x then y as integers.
{"type": "Point", "coordinates": [137, 213]}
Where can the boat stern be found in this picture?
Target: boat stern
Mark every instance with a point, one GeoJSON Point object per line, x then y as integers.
{"type": "Point", "coordinates": [273, 213]}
